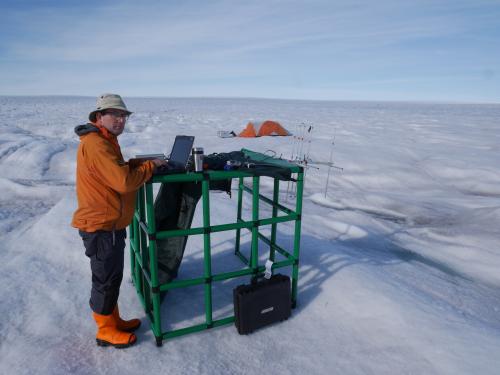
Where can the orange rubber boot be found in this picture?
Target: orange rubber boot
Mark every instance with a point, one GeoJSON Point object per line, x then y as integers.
{"type": "Point", "coordinates": [125, 325]}
{"type": "Point", "coordinates": [109, 335]}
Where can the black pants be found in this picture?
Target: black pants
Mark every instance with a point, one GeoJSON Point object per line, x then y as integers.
{"type": "Point", "coordinates": [106, 263]}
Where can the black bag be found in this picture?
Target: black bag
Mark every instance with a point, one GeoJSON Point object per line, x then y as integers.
{"type": "Point", "coordinates": [261, 303]}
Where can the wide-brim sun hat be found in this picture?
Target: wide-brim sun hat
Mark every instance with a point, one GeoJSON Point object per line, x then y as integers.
{"type": "Point", "coordinates": [108, 101]}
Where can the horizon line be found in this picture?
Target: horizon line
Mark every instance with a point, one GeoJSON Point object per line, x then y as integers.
{"type": "Point", "coordinates": [416, 101]}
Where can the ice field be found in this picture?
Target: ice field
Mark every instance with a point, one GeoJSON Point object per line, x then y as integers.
{"type": "Point", "coordinates": [400, 261]}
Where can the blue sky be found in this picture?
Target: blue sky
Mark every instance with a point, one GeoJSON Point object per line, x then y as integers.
{"type": "Point", "coordinates": [331, 50]}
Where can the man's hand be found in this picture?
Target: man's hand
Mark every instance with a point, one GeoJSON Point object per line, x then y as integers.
{"type": "Point", "coordinates": [158, 163]}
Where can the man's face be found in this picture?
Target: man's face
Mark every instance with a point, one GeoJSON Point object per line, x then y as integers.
{"type": "Point", "coordinates": [113, 120]}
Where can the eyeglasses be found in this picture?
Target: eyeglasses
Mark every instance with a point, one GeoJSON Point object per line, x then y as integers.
{"type": "Point", "coordinates": [117, 115]}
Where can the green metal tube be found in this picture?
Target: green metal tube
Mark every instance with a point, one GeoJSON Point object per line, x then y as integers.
{"type": "Point", "coordinates": [238, 215]}
{"type": "Point", "coordinates": [141, 211]}
{"type": "Point", "coordinates": [201, 280]}
{"type": "Point", "coordinates": [224, 175]}
{"type": "Point", "coordinates": [134, 246]}
{"type": "Point", "coordinates": [131, 250]}
{"type": "Point", "coordinates": [279, 219]}
{"type": "Point", "coordinates": [296, 241]}
{"type": "Point", "coordinates": [231, 275]}
{"type": "Point", "coordinates": [137, 255]}
{"type": "Point", "coordinates": [283, 263]}
{"type": "Point", "coordinates": [144, 227]}
{"type": "Point", "coordinates": [187, 177]}
{"type": "Point", "coordinates": [280, 264]}
{"type": "Point", "coordinates": [142, 270]}
{"type": "Point", "coordinates": [223, 321]}
{"type": "Point", "coordinates": [163, 235]}
{"type": "Point", "coordinates": [201, 230]}
{"type": "Point", "coordinates": [276, 190]}
{"type": "Point", "coordinates": [147, 278]}
{"type": "Point", "coordinates": [153, 263]}
{"type": "Point", "coordinates": [206, 251]}
{"type": "Point", "coordinates": [229, 226]}
{"type": "Point", "coordinates": [255, 217]}
{"type": "Point", "coordinates": [191, 177]}
{"type": "Point", "coordinates": [143, 246]}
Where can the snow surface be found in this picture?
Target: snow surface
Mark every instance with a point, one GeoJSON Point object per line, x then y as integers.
{"type": "Point", "coordinates": [400, 261]}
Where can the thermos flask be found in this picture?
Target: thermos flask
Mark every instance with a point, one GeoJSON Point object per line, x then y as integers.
{"type": "Point", "coordinates": [198, 158]}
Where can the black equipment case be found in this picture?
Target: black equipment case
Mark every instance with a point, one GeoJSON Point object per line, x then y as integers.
{"type": "Point", "coordinates": [261, 303]}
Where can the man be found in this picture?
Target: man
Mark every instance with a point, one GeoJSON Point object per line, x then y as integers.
{"type": "Point", "coordinates": [106, 187]}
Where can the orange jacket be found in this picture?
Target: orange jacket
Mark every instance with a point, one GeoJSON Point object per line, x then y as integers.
{"type": "Point", "coordinates": [105, 184]}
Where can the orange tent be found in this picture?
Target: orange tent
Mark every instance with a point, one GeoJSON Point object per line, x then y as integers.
{"type": "Point", "coordinates": [257, 129]}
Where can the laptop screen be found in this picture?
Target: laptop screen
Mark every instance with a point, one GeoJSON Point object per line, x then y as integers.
{"type": "Point", "coordinates": [181, 150]}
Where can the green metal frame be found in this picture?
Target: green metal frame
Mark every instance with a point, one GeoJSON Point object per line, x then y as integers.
{"type": "Point", "coordinates": [143, 238]}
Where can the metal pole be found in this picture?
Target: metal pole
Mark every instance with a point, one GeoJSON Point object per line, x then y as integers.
{"type": "Point", "coordinates": [135, 247]}
{"type": "Point", "coordinates": [296, 242]}
{"type": "Point", "coordinates": [153, 263]}
{"type": "Point", "coordinates": [255, 229]}
{"type": "Point", "coordinates": [133, 244]}
{"type": "Point", "coordinates": [143, 250]}
{"type": "Point", "coordinates": [276, 191]}
{"type": "Point", "coordinates": [207, 252]}
{"type": "Point", "coordinates": [238, 216]}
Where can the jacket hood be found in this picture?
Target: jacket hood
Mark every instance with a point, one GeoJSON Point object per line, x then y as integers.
{"type": "Point", "coordinates": [86, 129]}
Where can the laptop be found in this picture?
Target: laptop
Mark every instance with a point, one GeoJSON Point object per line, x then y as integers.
{"type": "Point", "coordinates": [179, 156]}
